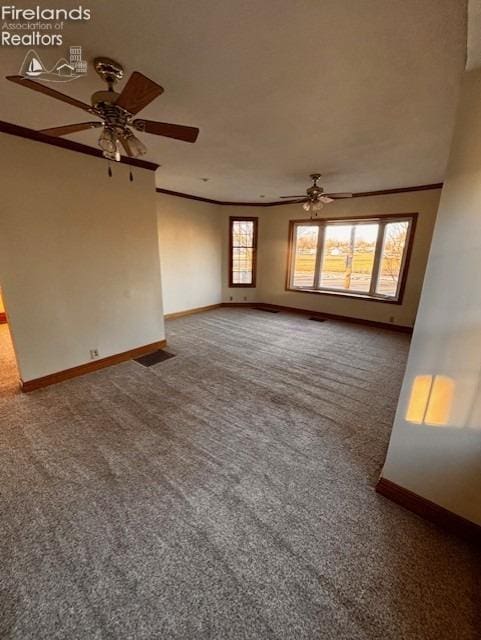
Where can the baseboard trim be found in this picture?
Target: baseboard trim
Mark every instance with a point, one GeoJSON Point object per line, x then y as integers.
{"type": "Point", "coordinates": [3, 318]}
{"type": "Point", "coordinates": [329, 316]}
{"type": "Point", "coordinates": [429, 510]}
{"type": "Point", "coordinates": [307, 312]}
{"type": "Point", "coordinates": [190, 312]}
{"type": "Point", "coordinates": [89, 367]}
{"type": "Point", "coordinates": [246, 305]}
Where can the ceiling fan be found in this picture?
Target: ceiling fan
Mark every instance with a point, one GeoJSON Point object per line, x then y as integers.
{"type": "Point", "coordinates": [116, 111]}
{"type": "Point", "coordinates": [315, 197]}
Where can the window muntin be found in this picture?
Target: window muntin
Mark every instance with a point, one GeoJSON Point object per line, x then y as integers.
{"type": "Point", "coordinates": [353, 257]}
{"type": "Point", "coordinates": [243, 243]}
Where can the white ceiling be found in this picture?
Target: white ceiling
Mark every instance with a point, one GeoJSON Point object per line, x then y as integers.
{"type": "Point", "coordinates": [363, 91]}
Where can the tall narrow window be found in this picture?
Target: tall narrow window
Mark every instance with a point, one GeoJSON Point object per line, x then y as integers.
{"type": "Point", "coordinates": [243, 244]}
{"type": "Point", "coordinates": [358, 257]}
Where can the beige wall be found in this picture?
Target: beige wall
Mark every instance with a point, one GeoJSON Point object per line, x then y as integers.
{"type": "Point", "coordinates": [442, 461]}
{"type": "Point", "coordinates": [190, 241]}
{"type": "Point", "coordinates": [273, 249]}
{"type": "Point", "coordinates": [79, 262]}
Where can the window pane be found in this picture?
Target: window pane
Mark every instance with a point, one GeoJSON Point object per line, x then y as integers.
{"type": "Point", "coordinates": [242, 265]}
{"type": "Point", "coordinates": [242, 233]}
{"type": "Point", "coordinates": [393, 247]}
{"type": "Point", "coordinates": [305, 255]}
{"type": "Point", "coordinates": [242, 251]}
{"type": "Point", "coordinates": [348, 256]}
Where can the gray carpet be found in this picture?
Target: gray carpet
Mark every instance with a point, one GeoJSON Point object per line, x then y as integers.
{"type": "Point", "coordinates": [226, 493]}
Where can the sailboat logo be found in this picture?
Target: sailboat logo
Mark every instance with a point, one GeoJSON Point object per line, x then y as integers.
{"type": "Point", "coordinates": [63, 70]}
{"type": "Point", "coordinates": [35, 67]}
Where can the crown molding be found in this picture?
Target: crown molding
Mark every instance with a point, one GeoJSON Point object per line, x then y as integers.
{"type": "Point", "coordinates": [390, 192]}
{"type": "Point", "coordinates": [31, 134]}
{"type": "Point", "coordinates": [188, 196]}
{"type": "Point", "coordinates": [277, 203]}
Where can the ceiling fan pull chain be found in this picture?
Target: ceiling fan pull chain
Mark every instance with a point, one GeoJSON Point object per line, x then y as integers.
{"type": "Point", "coordinates": [110, 169]}
{"type": "Point", "coordinates": [131, 177]}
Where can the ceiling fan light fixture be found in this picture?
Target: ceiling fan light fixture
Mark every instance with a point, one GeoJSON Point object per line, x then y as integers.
{"type": "Point", "coordinates": [112, 156]}
{"type": "Point", "coordinates": [312, 206]}
{"type": "Point", "coordinates": [136, 146]}
{"type": "Point", "coordinates": [108, 141]}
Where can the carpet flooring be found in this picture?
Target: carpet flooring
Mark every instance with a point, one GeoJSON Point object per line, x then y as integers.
{"type": "Point", "coordinates": [226, 493]}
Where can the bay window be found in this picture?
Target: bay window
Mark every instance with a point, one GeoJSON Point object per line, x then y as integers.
{"type": "Point", "coordinates": [359, 257]}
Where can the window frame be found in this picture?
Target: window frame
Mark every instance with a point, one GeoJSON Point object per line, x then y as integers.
{"type": "Point", "coordinates": [255, 220]}
{"type": "Point", "coordinates": [381, 219]}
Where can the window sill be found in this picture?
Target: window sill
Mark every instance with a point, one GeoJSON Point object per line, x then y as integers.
{"type": "Point", "coordinates": [342, 294]}
{"type": "Point", "coordinates": [241, 286]}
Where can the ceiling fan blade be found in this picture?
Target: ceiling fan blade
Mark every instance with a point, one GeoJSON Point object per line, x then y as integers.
{"type": "Point", "coordinates": [326, 199]}
{"type": "Point", "coordinates": [177, 131]}
{"type": "Point", "coordinates": [289, 197]}
{"type": "Point", "coordinates": [338, 195]}
{"type": "Point", "coordinates": [297, 200]}
{"type": "Point", "coordinates": [70, 128]}
{"type": "Point", "coordinates": [138, 93]}
{"type": "Point", "coordinates": [126, 146]}
{"type": "Point", "coordinates": [41, 88]}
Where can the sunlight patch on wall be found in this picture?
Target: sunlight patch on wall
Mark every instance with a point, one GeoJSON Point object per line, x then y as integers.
{"type": "Point", "coordinates": [418, 399]}
{"type": "Point", "coordinates": [431, 400]}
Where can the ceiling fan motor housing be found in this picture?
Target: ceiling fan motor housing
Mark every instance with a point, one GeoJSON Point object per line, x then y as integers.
{"type": "Point", "coordinates": [314, 191]}
{"type": "Point", "coordinates": [104, 97]}
{"type": "Point", "coordinates": [109, 70]}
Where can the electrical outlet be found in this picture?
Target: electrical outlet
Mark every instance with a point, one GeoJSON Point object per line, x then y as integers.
{"type": "Point", "coordinates": [245, 298]}
{"type": "Point", "coordinates": [391, 319]}
{"type": "Point", "coordinates": [231, 298]}
{"type": "Point", "coordinates": [94, 353]}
